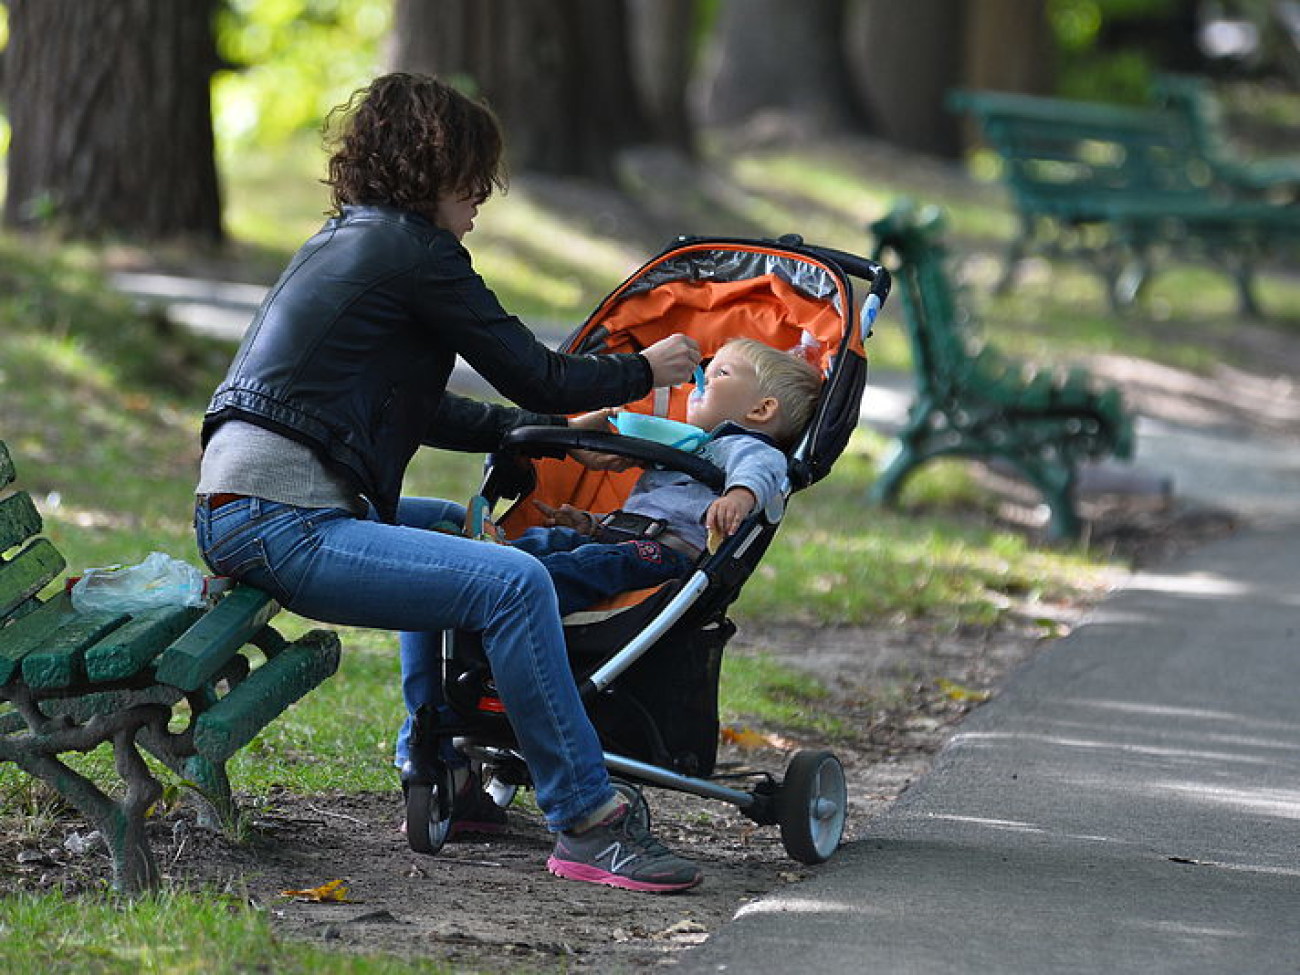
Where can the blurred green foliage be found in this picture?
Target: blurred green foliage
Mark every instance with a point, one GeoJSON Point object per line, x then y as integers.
{"type": "Point", "coordinates": [1089, 71]}
{"type": "Point", "coordinates": [291, 62]}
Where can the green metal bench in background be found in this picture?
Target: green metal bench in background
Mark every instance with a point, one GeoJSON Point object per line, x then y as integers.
{"type": "Point", "coordinates": [1117, 186]}
{"type": "Point", "coordinates": [1193, 101]}
{"type": "Point", "coordinates": [974, 401]}
{"type": "Point", "coordinates": [71, 681]}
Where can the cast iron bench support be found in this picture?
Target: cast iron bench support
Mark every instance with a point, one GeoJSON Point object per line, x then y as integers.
{"type": "Point", "coordinates": [71, 681]}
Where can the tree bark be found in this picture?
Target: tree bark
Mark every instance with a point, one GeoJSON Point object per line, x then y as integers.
{"type": "Point", "coordinates": [1009, 47]}
{"type": "Point", "coordinates": [776, 55]}
{"type": "Point", "coordinates": [907, 57]}
{"type": "Point", "coordinates": [661, 36]}
{"type": "Point", "coordinates": [557, 73]}
{"type": "Point", "coordinates": [111, 123]}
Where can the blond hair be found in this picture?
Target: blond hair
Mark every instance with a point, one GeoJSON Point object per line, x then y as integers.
{"type": "Point", "coordinates": [788, 378]}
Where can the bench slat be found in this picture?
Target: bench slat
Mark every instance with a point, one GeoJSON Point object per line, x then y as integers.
{"type": "Point", "coordinates": [25, 634]}
{"type": "Point", "coordinates": [60, 661]}
{"type": "Point", "coordinates": [236, 719]}
{"type": "Point", "coordinates": [27, 573]}
{"type": "Point", "coordinates": [19, 520]}
{"type": "Point", "coordinates": [204, 648]}
{"type": "Point", "coordinates": [126, 651]}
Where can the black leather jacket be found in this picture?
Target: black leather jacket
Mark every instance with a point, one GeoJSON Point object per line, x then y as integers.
{"type": "Point", "coordinates": [351, 351]}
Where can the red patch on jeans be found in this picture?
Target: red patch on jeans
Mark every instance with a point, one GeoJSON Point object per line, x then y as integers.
{"type": "Point", "coordinates": [648, 551]}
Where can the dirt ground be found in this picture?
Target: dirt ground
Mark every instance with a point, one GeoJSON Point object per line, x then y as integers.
{"type": "Point", "coordinates": [900, 687]}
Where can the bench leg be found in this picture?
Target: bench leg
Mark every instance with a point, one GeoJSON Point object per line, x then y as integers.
{"type": "Point", "coordinates": [210, 795]}
{"type": "Point", "coordinates": [1016, 251]}
{"type": "Point", "coordinates": [895, 467]}
{"type": "Point", "coordinates": [215, 803]}
{"type": "Point", "coordinates": [1056, 483]}
{"type": "Point", "coordinates": [121, 823]}
{"type": "Point", "coordinates": [1243, 277]}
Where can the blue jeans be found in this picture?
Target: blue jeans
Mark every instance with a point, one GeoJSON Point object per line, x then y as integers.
{"type": "Point", "coordinates": [329, 565]}
{"type": "Point", "coordinates": [585, 571]}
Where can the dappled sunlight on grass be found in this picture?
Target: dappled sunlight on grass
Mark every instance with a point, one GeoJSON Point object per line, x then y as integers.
{"type": "Point", "coordinates": [838, 558]}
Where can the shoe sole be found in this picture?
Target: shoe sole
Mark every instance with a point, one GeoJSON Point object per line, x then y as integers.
{"type": "Point", "coordinates": [568, 870]}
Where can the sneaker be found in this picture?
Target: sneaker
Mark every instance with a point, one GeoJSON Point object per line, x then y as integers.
{"type": "Point", "coordinates": [474, 811]}
{"type": "Point", "coordinates": [620, 852]}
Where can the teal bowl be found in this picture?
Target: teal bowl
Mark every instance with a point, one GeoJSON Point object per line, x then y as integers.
{"type": "Point", "coordinates": [672, 433]}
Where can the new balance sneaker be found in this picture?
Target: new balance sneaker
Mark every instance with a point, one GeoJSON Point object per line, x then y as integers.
{"type": "Point", "coordinates": [620, 852]}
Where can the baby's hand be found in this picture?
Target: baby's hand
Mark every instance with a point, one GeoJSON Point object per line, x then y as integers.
{"type": "Point", "coordinates": [566, 516]}
{"type": "Point", "coordinates": [725, 514]}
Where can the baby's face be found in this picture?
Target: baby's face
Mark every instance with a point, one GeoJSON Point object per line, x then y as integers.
{"type": "Point", "coordinates": [730, 391]}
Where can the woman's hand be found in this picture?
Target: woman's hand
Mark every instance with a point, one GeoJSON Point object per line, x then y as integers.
{"type": "Point", "coordinates": [672, 360]}
{"type": "Point", "coordinates": [595, 460]}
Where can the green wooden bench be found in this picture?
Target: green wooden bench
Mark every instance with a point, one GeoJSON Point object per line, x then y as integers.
{"type": "Point", "coordinates": [1116, 186]}
{"type": "Point", "coordinates": [974, 401]}
{"type": "Point", "coordinates": [1192, 99]}
{"type": "Point", "coordinates": [177, 682]}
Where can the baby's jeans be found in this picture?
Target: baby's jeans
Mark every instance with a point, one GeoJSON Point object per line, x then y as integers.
{"type": "Point", "coordinates": [585, 571]}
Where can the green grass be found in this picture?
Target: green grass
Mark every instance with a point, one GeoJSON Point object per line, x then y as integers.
{"type": "Point", "coordinates": [172, 933]}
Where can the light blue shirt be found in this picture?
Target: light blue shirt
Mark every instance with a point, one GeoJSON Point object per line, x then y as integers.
{"type": "Point", "coordinates": [747, 458]}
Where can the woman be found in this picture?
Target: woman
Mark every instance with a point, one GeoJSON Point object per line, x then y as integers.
{"type": "Point", "coordinates": [342, 376]}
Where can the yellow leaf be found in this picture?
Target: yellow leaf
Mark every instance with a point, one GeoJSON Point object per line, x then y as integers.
{"type": "Point", "coordinates": [745, 738]}
{"type": "Point", "coordinates": [332, 892]}
{"type": "Point", "coordinates": [956, 692]}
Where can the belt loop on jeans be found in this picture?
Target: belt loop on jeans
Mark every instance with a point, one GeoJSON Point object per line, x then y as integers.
{"type": "Point", "coordinates": [215, 501]}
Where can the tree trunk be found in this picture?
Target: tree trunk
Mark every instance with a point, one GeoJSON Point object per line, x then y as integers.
{"type": "Point", "coordinates": [908, 56]}
{"type": "Point", "coordinates": [557, 73]}
{"type": "Point", "coordinates": [111, 118]}
{"type": "Point", "coordinates": [776, 55]}
{"type": "Point", "coordinates": [1009, 47]}
{"type": "Point", "coordinates": [661, 37]}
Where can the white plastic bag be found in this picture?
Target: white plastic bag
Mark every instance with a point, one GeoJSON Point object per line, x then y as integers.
{"type": "Point", "coordinates": [159, 580]}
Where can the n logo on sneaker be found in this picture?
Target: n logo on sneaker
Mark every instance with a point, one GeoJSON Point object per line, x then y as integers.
{"type": "Point", "coordinates": [616, 864]}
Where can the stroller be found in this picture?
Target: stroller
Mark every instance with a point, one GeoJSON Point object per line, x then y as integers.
{"type": "Point", "coordinates": [647, 663]}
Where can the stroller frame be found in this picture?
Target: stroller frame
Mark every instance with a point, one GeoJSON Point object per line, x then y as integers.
{"type": "Point", "coordinates": [809, 802]}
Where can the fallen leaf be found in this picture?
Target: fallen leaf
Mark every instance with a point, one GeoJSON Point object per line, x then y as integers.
{"type": "Point", "coordinates": [745, 738]}
{"type": "Point", "coordinates": [329, 893]}
{"type": "Point", "coordinates": [956, 692]}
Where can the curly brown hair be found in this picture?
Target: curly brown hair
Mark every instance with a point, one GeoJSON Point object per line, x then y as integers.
{"type": "Point", "coordinates": [404, 140]}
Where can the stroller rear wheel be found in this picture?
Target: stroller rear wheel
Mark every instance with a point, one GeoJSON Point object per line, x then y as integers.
{"type": "Point", "coordinates": [811, 806]}
{"type": "Point", "coordinates": [428, 810]}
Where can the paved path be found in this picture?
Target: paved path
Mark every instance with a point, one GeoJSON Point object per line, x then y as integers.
{"type": "Point", "coordinates": [1129, 803]}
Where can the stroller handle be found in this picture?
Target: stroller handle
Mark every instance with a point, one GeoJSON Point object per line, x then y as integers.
{"type": "Point", "coordinates": [538, 441]}
{"type": "Point", "coordinates": [853, 264]}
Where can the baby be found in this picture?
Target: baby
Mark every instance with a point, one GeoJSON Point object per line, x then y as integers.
{"type": "Point", "coordinates": [755, 402]}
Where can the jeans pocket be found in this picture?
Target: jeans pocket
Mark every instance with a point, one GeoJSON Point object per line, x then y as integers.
{"type": "Point", "coordinates": [232, 543]}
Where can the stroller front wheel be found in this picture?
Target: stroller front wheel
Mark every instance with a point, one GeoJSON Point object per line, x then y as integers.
{"type": "Point", "coordinates": [428, 811]}
{"type": "Point", "coordinates": [811, 806]}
